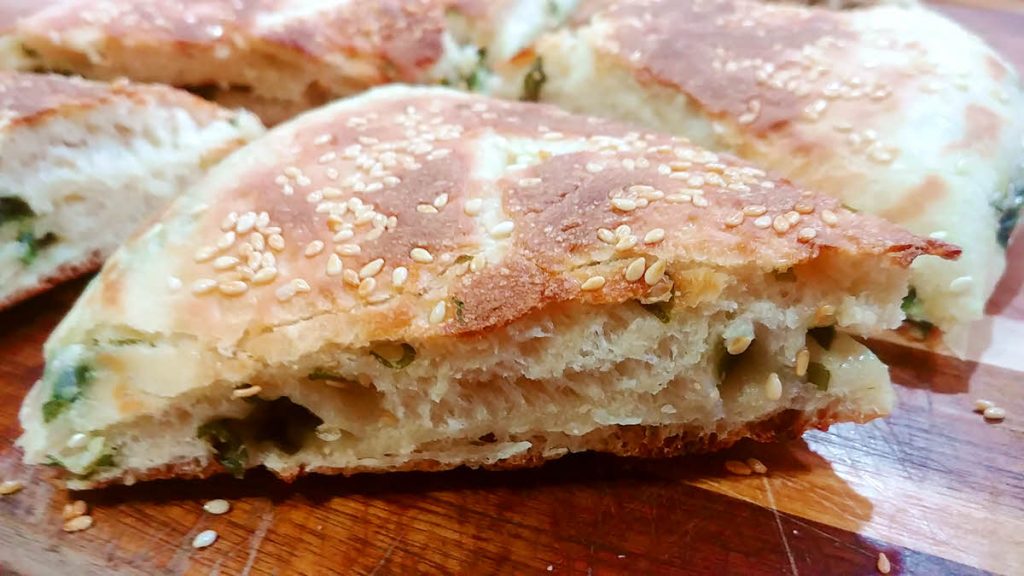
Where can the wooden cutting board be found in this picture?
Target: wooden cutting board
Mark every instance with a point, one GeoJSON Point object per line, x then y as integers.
{"type": "Point", "coordinates": [934, 487]}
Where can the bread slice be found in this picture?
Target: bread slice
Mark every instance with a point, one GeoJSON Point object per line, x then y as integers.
{"type": "Point", "coordinates": [894, 110]}
{"type": "Point", "coordinates": [281, 57]}
{"type": "Point", "coordinates": [83, 164]}
{"type": "Point", "coordinates": [422, 279]}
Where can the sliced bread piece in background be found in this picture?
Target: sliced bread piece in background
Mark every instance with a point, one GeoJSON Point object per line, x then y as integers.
{"type": "Point", "coordinates": [281, 57]}
{"type": "Point", "coordinates": [83, 164]}
{"type": "Point", "coordinates": [896, 111]}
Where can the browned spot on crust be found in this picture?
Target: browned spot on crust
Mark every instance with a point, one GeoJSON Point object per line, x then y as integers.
{"type": "Point", "coordinates": [711, 52]}
{"type": "Point", "coordinates": [928, 193]}
{"type": "Point", "coordinates": [982, 130]}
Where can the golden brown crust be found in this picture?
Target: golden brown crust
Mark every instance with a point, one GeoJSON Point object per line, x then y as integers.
{"type": "Point", "coordinates": [281, 49]}
{"type": "Point", "coordinates": [341, 213]}
{"type": "Point", "coordinates": [627, 441]}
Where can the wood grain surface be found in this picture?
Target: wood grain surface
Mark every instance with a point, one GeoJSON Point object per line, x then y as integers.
{"type": "Point", "coordinates": [935, 487]}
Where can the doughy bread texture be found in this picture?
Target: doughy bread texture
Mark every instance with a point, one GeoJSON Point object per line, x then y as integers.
{"type": "Point", "coordinates": [419, 278]}
{"type": "Point", "coordinates": [896, 111]}
{"type": "Point", "coordinates": [83, 164]}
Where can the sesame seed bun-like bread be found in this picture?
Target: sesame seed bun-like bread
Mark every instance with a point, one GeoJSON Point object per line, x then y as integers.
{"type": "Point", "coordinates": [896, 111]}
{"type": "Point", "coordinates": [423, 278]}
{"type": "Point", "coordinates": [83, 164]}
{"type": "Point", "coordinates": [281, 57]}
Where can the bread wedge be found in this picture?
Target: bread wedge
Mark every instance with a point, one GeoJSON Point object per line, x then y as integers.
{"type": "Point", "coordinates": [418, 279]}
{"type": "Point", "coordinates": [896, 111]}
{"type": "Point", "coordinates": [282, 57]}
{"type": "Point", "coordinates": [83, 164]}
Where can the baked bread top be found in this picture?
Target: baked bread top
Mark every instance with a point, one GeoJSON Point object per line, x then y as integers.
{"type": "Point", "coordinates": [897, 111]}
{"type": "Point", "coordinates": [410, 213]}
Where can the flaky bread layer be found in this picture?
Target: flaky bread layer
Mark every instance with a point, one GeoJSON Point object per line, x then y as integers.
{"type": "Point", "coordinates": [565, 379]}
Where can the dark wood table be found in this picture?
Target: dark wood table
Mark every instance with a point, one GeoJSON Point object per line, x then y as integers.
{"type": "Point", "coordinates": [934, 487]}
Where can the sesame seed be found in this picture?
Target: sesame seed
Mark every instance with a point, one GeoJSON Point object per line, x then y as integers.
{"type": "Point", "coordinates": [605, 235]}
{"type": "Point", "coordinates": [737, 467]}
{"type": "Point", "coordinates": [367, 286]}
{"type": "Point", "coordinates": [655, 273]}
{"type": "Point", "coordinates": [806, 234]}
{"type": "Point", "coordinates": [679, 198]}
{"type": "Point", "coordinates": [334, 265]}
{"type": "Point", "coordinates": [204, 254]}
{"type": "Point", "coordinates": [74, 509]}
{"type": "Point", "coordinates": [371, 268]}
{"type": "Point", "coordinates": [314, 248]}
{"type": "Point", "coordinates": [982, 405]}
{"type": "Point", "coordinates": [472, 206]}
{"type": "Point", "coordinates": [233, 288]}
{"type": "Point", "coordinates": [348, 249]}
{"type": "Point", "coordinates": [426, 209]}
{"type": "Point", "coordinates": [529, 182]}
{"type": "Point", "coordinates": [217, 507]}
{"type": "Point", "coordinates": [225, 262]}
{"type": "Point", "coordinates": [246, 392]}
{"type": "Point", "coordinates": [399, 276]}
{"type": "Point", "coordinates": [350, 277]}
{"type": "Point", "coordinates": [961, 284]}
{"type": "Point", "coordinates": [755, 210]}
{"type": "Point", "coordinates": [204, 539]}
{"type": "Point", "coordinates": [635, 270]}
{"type": "Point", "coordinates": [623, 230]}
{"type": "Point", "coordinates": [421, 255]}
{"type": "Point", "coordinates": [437, 314]}
{"type": "Point", "coordinates": [829, 217]}
{"type": "Point", "coordinates": [803, 360]}
{"type": "Point", "coordinates": [738, 345]}
{"type": "Point", "coordinates": [756, 466]}
{"type": "Point", "coordinates": [594, 167]}
{"type": "Point", "coordinates": [625, 243]}
{"type": "Point", "coordinates": [343, 235]}
{"type": "Point", "coordinates": [883, 565]}
{"type": "Point", "coordinates": [503, 229]}
{"type": "Point", "coordinates": [654, 236]}
{"type": "Point", "coordinates": [246, 222]}
{"type": "Point", "coordinates": [781, 224]}
{"type": "Point", "coordinates": [734, 220]}
{"type": "Point", "coordinates": [994, 413]}
{"type": "Point", "coordinates": [593, 283]}
{"type": "Point", "coordinates": [700, 202]}
{"type": "Point", "coordinates": [78, 523]}
{"type": "Point", "coordinates": [773, 387]}
{"type": "Point", "coordinates": [803, 207]}
{"type": "Point", "coordinates": [229, 222]}
{"type": "Point", "coordinates": [265, 276]}
{"type": "Point", "coordinates": [664, 169]}
{"type": "Point", "coordinates": [763, 222]}
{"type": "Point", "coordinates": [77, 440]}
{"type": "Point", "coordinates": [441, 201]}
{"type": "Point", "coordinates": [8, 487]}
{"type": "Point", "coordinates": [203, 286]}
{"type": "Point", "coordinates": [624, 204]}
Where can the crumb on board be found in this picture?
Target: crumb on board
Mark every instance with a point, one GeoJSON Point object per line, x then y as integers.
{"type": "Point", "coordinates": [8, 487]}
{"type": "Point", "coordinates": [995, 413]}
{"type": "Point", "coordinates": [884, 566]}
{"type": "Point", "coordinates": [737, 467]}
{"type": "Point", "coordinates": [74, 509]}
{"type": "Point", "coordinates": [756, 466]}
{"type": "Point", "coordinates": [204, 539]}
{"type": "Point", "coordinates": [217, 507]}
{"type": "Point", "coordinates": [78, 523]}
